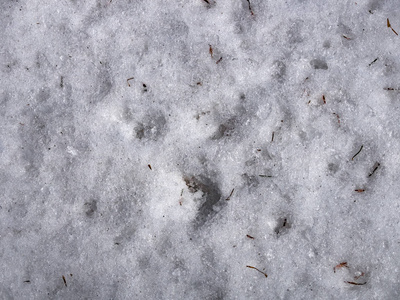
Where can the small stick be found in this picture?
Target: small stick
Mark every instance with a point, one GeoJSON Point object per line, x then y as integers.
{"type": "Point", "coordinates": [206, 1]}
{"type": "Point", "coordinates": [359, 190]}
{"type": "Point", "coordinates": [341, 265]}
{"type": "Point", "coordinates": [284, 222]}
{"type": "Point", "coordinates": [376, 167]}
{"type": "Point", "coordinates": [373, 61]}
{"type": "Point", "coordinates": [338, 118]}
{"type": "Point", "coordinates": [257, 270]}
{"type": "Point", "coordinates": [65, 282]}
{"type": "Point", "coordinates": [355, 283]}
{"type": "Point", "coordinates": [27, 281]}
{"type": "Point", "coordinates": [347, 38]}
{"type": "Point", "coordinates": [390, 26]}
{"type": "Point", "coordinates": [250, 8]}
{"type": "Point", "coordinates": [128, 80]}
{"type": "Point", "coordinates": [323, 98]}
{"type": "Point", "coordinates": [357, 152]}
{"type": "Point", "coordinates": [273, 134]}
{"type": "Point", "coordinates": [219, 60]}
{"type": "Point", "coordinates": [210, 50]}
{"type": "Point", "coordinates": [149, 167]}
{"type": "Point", "coordinates": [357, 277]}
{"type": "Point", "coordinates": [230, 195]}
{"type": "Point", "coordinates": [391, 89]}
{"type": "Point", "coordinates": [250, 237]}
{"type": "Point", "coordinates": [265, 176]}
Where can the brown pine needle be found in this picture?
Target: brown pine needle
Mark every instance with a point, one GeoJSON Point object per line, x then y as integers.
{"type": "Point", "coordinates": [128, 80]}
{"type": "Point", "coordinates": [265, 274]}
{"type": "Point", "coordinates": [390, 26]}
{"type": "Point", "coordinates": [341, 265]}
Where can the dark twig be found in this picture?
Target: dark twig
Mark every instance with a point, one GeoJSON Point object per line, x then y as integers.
{"type": "Point", "coordinates": [230, 195]}
{"type": "Point", "coordinates": [357, 152]}
{"type": "Point", "coordinates": [373, 61]}
{"type": "Point", "coordinates": [355, 283]}
{"type": "Point", "coordinates": [251, 11]}
{"type": "Point", "coordinates": [338, 118]}
{"type": "Point", "coordinates": [376, 167]}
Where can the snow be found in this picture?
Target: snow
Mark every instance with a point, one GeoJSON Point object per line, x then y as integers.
{"type": "Point", "coordinates": [180, 150]}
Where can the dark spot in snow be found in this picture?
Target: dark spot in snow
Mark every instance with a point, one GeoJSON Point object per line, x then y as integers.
{"type": "Point", "coordinates": [91, 208]}
{"type": "Point", "coordinates": [210, 199]}
{"type": "Point", "coordinates": [319, 64]}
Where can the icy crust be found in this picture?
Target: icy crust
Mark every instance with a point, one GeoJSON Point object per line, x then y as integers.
{"type": "Point", "coordinates": [199, 149]}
